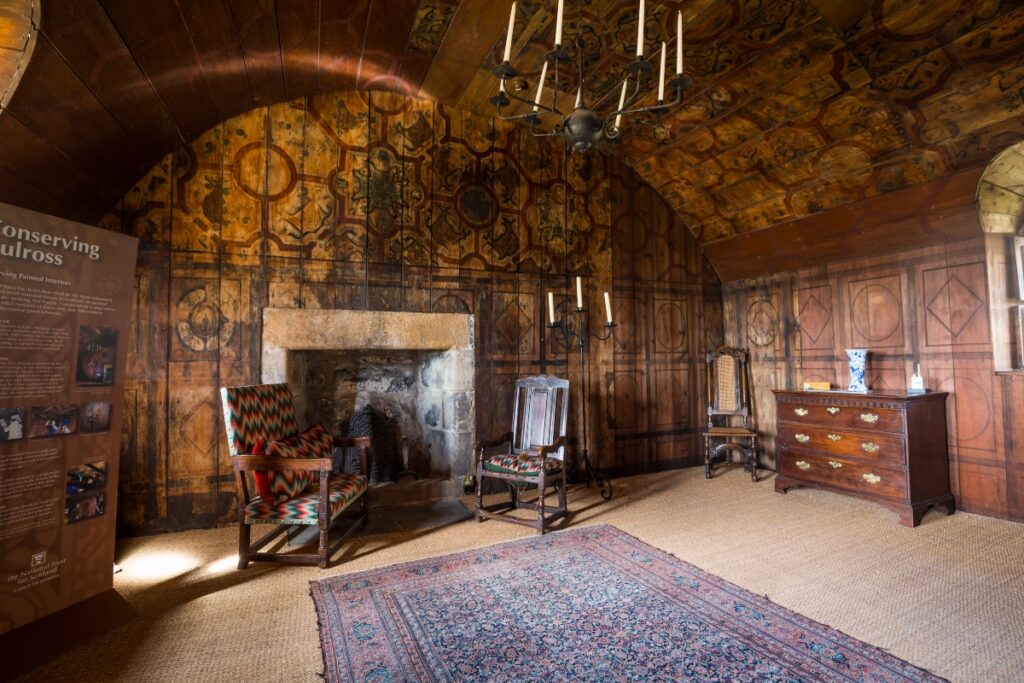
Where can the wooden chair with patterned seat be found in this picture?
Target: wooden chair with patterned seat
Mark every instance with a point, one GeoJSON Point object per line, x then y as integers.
{"type": "Point", "coordinates": [534, 453]}
{"type": "Point", "coordinates": [285, 476]}
{"type": "Point", "coordinates": [728, 395]}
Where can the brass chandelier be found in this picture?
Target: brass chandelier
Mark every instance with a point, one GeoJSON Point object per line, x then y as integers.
{"type": "Point", "coordinates": [583, 128]}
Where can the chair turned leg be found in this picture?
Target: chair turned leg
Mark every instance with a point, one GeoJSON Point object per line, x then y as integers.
{"type": "Point", "coordinates": [753, 460]}
{"type": "Point", "coordinates": [322, 551]}
{"type": "Point", "coordinates": [479, 494]}
{"type": "Point", "coordinates": [541, 486]}
{"type": "Point", "coordinates": [707, 460]}
{"type": "Point", "coordinates": [243, 544]}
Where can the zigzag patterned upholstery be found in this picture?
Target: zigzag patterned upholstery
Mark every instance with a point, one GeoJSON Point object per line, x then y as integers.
{"type": "Point", "coordinates": [520, 463]}
{"type": "Point", "coordinates": [263, 410]}
{"type": "Point", "coordinates": [266, 413]}
{"type": "Point", "coordinates": [305, 508]}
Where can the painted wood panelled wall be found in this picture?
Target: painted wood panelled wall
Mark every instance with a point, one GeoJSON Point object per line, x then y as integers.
{"type": "Point", "coordinates": [370, 200]}
{"type": "Point", "coordinates": [926, 305]}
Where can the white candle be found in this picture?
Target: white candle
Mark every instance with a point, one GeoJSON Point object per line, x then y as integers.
{"type": "Point", "coordinates": [501, 85]}
{"type": "Point", "coordinates": [579, 96]}
{"type": "Point", "coordinates": [608, 307]}
{"type": "Point", "coordinates": [679, 43]}
{"type": "Point", "coordinates": [551, 307]}
{"type": "Point", "coordinates": [661, 80]}
{"type": "Point", "coordinates": [508, 36]}
{"type": "Point", "coordinates": [540, 85]}
{"type": "Point", "coordinates": [558, 22]}
{"type": "Point", "coordinates": [579, 293]}
{"type": "Point", "coordinates": [622, 103]}
{"type": "Point", "coordinates": [640, 32]}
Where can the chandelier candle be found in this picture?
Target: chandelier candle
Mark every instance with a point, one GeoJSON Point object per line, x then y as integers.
{"type": "Point", "coordinates": [558, 23]}
{"type": "Point", "coordinates": [679, 44]}
{"type": "Point", "coordinates": [640, 32]}
{"type": "Point", "coordinates": [540, 86]}
{"type": "Point", "coordinates": [661, 78]}
{"type": "Point", "coordinates": [579, 294]}
{"type": "Point", "coordinates": [508, 36]}
{"type": "Point", "coordinates": [608, 308]}
{"type": "Point", "coordinates": [551, 307]}
{"type": "Point", "coordinates": [622, 103]}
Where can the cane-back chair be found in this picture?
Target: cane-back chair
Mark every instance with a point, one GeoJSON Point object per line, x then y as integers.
{"type": "Point", "coordinates": [285, 476]}
{"type": "Point", "coordinates": [728, 396]}
{"type": "Point", "coordinates": [533, 453]}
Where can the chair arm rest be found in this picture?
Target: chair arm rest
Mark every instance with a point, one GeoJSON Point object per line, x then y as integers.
{"type": "Point", "coordinates": [504, 438]}
{"type": "Point", "coordinates": [552, 447]}
{"type": "Point", "coordinates": [266, 462]}
{"type": "Point", "coordinates": [352, 442]}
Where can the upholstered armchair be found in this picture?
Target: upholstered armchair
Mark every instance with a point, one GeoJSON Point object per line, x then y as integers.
{"type": "Point", "coordinates": [533, 453]}
{"type": "Point", "coordinates": [285, 476]}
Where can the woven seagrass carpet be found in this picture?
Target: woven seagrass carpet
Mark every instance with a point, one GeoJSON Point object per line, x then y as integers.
{"type": "Point", "coordinates": [586, 604]}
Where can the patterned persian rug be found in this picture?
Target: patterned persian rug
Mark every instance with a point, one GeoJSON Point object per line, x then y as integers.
{"type": "Point", "coordinates": [587, 604]}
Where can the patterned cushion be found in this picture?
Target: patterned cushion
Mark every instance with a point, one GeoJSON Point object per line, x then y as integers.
{"type": "Point", "coordinates": [304, 509]}
{"type": "Point", "coordinates": [260, 410]}
{"type": "Point", "coordinates": [315, 442]}
{"type": "Point", "coordinates": [261, 477]}
{"type": "Point", "coordinates": [520, 463]}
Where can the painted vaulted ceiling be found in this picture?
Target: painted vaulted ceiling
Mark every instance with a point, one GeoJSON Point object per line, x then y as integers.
{"type": "Point", "coordinates": [816, 129]}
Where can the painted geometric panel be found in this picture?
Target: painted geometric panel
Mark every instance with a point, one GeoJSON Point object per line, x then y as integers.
{"type": "Point", "coordinates": [970, 410]}
{"type": "Point", "coordinates": [814, 312]}
{"type": "Point", "coordinates": [670, 326]}
{"type": "Point", "coordinates": [514, 328]}
{"type": "Point", "coordinates": [955, 305]}
{"type": "Point", "coordinates": [671, 397]}
{"type": "Point", "coordinates": [876, 313]}
{"type": "Point", "coordinates": [204, 315]}
{"type": "Point", "coordinates": [629, 400]}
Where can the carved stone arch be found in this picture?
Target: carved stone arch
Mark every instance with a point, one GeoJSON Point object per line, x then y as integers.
{"type": "Point", "coordinates": [1001, 210]}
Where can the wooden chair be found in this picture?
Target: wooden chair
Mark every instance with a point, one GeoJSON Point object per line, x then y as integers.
{"type": "Point", "coordinates": [728, 395]}
{"type": "Point", "coordinates": [265, 412]}
{"type": "Point", "coordinates": [534, 453]}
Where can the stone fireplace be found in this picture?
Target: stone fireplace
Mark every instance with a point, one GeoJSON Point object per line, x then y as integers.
{"type": "Point", "coordinates": [415, 368]}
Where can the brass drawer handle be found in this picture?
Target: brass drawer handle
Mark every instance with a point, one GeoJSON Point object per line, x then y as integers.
{"type": "Point", "coordinates": [835, 465]}
{"type": "Point", "coordinates": [832, 410]}
{"type": "Point", "coordinates": [800, 411]}
{"type": "Point", "coordinates": [803, 438]}
{"type": "Point", "coordinates": [802, 464]}
{"type": "Point", "coordinates": [869, 447]}
{"type": "Point", "coordinates": [871, 478]}
{"type": "Point", "coordinates": [870, 418]}
{"type": "Point", "coordinates": [834, 437]}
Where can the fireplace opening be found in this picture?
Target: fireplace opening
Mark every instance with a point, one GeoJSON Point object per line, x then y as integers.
{"type": "Point", "coordinates": [414, 369]}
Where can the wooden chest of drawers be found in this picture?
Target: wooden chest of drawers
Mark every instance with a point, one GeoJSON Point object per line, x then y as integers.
{"type": "Point", "coordinates": [887, 448]}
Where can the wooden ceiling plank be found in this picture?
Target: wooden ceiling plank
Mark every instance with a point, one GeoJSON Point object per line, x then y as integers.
{"type": "Point", "coordinates": [159, 41]}
{"type": "Point", "coordinates": [83, 35]}
{"type": "Point", "coordinates": [471, 35]}
{"type": "Point", "coordinates": [17, 191]}
{"type": "Point", "coordinates": [56, 105]}
{"type": "Point", "coordinates": [211, 27]}
{"type": "Point", "coordinates": [388, 27]}
{"type": "Point", "coordinates": [298, 25]}
{"type": "Point", "coordinates": [343, 27]}
{"type": "Point", "coordinates": [256, 23]}
{"type": "Point", "coordinates": [38, 162]}
{"type": "Point", "coordinates": [941, 211]}
{"type": "Point", "coordinates": [433, 17]}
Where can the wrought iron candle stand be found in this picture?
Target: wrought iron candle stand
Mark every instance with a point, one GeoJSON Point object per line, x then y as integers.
{"type": "Point", "coordinates": [577, 334]}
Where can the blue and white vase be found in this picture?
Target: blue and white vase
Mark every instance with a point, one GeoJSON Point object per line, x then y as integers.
{"type": "Point", "coordinates": [858, 368]}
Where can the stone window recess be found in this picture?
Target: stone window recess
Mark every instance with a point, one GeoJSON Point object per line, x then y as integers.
{"type": "Point", "coordinates": [1001, 207]}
